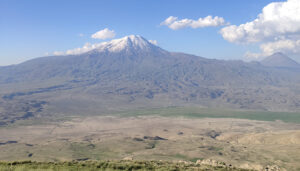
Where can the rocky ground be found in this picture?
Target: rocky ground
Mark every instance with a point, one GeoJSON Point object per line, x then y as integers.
{"type": "Point", "coordinates": [236, 142]}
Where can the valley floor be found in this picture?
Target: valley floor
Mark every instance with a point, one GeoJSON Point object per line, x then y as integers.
{"type": "Point", "coordinates": [242, 143]}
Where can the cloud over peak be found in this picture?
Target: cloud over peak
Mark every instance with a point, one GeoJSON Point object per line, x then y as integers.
{"type": "Point", "coordinates": [209, 21]}
{"type": "Point", "coordinates": [104, 34]}
{"type": "Point", "coordinates": [277, 28]}
{"type": "Point", "coordinates": [287, 46]}
{"type": "Point", "coordinates": [153, 42]}
{"type": "Point", "coordinates": [276, 20]}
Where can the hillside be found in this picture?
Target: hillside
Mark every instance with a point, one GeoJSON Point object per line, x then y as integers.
{"type": "Point", "coordinates": [132, 73]}
{"type": "Point", "coordinates": [280, 60]}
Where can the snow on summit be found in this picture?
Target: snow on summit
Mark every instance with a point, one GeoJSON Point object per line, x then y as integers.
{"type": "Point", "coordinates": [131, 42]}
{"type": "Point", "coordinates": [128, 42]}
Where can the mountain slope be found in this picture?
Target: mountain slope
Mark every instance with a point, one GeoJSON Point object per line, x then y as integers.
{"type": "Point", "coordinates": [280, 60]}
{"type": "Point", "coordinates": [131, 73]}
{"type": "Point", "coordinates": [133, 57]}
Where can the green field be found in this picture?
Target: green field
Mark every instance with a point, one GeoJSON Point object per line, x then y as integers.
{"type": "Point", "coordinates": [111, 166]}
{"type": "Point", "coordinates": [187, 112]}
{"type": "Point", "coordinates": [195, 112]}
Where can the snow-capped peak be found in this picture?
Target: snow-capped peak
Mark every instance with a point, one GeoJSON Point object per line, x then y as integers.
{"type": "Point", "coordinates": [132, 42]}
{"type": "Point", "coordinates": [127, 43]}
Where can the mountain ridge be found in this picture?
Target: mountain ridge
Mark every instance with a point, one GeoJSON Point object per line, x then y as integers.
{"type": "Point", "coordinates": [280, 60]}
{"type": "Point", "coordinates": [143, 76]}
{"type": "Point", "coordinates": [134, 54]}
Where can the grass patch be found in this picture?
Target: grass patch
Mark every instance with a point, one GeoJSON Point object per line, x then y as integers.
{"type": "Point", "coordinates": [111, 166]}
{"type": "Point", "coordinates": [195, 112]}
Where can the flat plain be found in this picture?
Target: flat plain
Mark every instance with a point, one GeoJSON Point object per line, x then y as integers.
{"type": "Point", "coordinates": [155, 135]}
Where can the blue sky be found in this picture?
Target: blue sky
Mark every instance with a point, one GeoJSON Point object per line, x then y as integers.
{"type": "Point", "coordinates": [34, 28]}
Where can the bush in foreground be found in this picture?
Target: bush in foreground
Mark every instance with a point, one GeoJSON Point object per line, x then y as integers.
{"type": "Point", "coordinates": [111, 166]}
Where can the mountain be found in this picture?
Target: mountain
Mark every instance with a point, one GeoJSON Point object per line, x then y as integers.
{"type": "Point", "coordinates": [131, 73]}
{"type": "Point", "coordinates": [133, 57]}
{"type": "Point", "coordinates": [114, 55]}
{"type": "Point", "coordinates": [279, 60]}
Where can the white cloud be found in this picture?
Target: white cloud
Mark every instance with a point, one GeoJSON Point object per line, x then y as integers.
{"type": "Point", "coordinates": [281, 45]}
{"type": "Point", "coordinates": [81, 35]}
{"type": "Point", "coordinates": [276, 28]}
{"type": "Point", "coordinates": [153, 42]}
{"type": "Point", "coordinates": [249, 56]}
{"type": "Point", "coordinates": [209, 21]}
{"type": "Point", "coordinates": [104, 34]}
{"type": "Point", "coordinates": [86, 47]}
{"type": "Point", "coordinates": [169, 20]}
{"type": "Point", "coordinates": [286, 46]}
{"type": "Point", "coordinates": [276, 20]}
{"type": "Point", "coordinates": [58, 53]}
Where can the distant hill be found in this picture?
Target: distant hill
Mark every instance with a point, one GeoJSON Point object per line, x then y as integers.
{"type": "Point", "coordinates": [131, 73]}
{"type": "Point", "coordinates": [280, 60]}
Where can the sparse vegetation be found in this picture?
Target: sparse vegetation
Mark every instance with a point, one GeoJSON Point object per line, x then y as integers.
{"type": "Point", "coordinates": [239, 142]}
{"type": "Point", "coordinates": [196, 112]}
{"type": "Point", "coordinates": [113, 165]}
